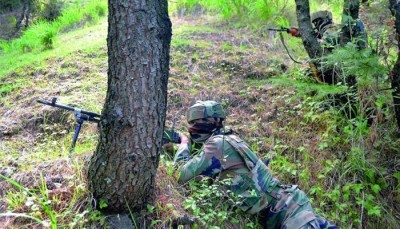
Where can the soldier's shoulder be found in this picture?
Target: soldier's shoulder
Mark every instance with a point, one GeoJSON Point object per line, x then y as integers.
{"type": "Point", "coordinates": [224, 137]}
{"type": "Point", "coordinates": [216, 138]}
{"type": "Point", "coordinates": [333, 27]}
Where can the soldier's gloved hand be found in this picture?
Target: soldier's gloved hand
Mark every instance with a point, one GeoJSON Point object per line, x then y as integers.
{"type": "Point", "coordinates": [294, 32]}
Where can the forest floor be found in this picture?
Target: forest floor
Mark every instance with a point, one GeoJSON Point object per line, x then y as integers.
{"type": "Point", "coordinates": [263, 92]}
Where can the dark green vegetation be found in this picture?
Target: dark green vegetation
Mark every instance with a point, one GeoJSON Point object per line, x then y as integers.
{"type": "Point", "coordinates": [348, 166]}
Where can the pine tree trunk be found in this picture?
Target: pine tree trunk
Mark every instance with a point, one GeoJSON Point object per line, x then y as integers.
{"type": "Point", "coordinates": [123, 167]}
{"type": "Point", "coordinates": [395, 73]}
{"type": "Point", "coordinates": [308, 35]}
{"type": "Point", "coordinates": [310, 42]}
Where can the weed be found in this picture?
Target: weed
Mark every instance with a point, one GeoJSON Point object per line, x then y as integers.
{"type": "Point", "coordinates": [42, 200]}
{"type": "Point", "coordinates": [212, 205]}
{"type": "Point", "coordinates": [48, 38]}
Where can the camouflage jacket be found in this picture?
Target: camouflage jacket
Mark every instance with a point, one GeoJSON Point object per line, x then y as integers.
{"type": "Point", "coordinates": [227, 156]}
{"type": "Point", "coordinates": [333, 32]}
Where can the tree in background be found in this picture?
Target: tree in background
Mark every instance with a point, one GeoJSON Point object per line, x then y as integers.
{"type": "Point", "coordinates": [308, 36]}
{"type": "Point", "coordinates": [25, 14]}
{"type": "Point", "coordinates": [8, 5]}
{"type": "Point", "coordinates": [395, 73]}
{"type": "Point", "coordinates": [123, 168]}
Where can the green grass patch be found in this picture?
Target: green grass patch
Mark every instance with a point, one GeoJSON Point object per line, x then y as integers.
{"type": "Point", "coordinates": [33, 46]}
{"type": "Point", "coordinates": [63, 45]}
{"type": "Point", "coordinates": [303, 88]}
{"type": "Point", "coordinates": [184, 43]}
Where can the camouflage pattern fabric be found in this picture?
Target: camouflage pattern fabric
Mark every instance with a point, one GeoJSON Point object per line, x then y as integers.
{"type": "Point", "coordinates": [228, 156]}
{"type": "Point", "coordinates": [331, 34]}
{"type": "Point", "coordinates": [323, 14]}
{"type": "Point", "coordinates": [205, 109]}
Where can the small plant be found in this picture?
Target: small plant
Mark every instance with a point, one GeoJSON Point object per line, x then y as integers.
{"type": "Point", "coordinates": [48, 38]}
{"type": "Point", "coordinates": [214, 205]}
{"type": "Point", "coordinates": [42, 200]}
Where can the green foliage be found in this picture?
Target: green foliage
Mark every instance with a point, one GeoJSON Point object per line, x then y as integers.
{"type": "Point", "coordinates": [363, 64]}
{"type": "Point", "coordinates": [48, 38]}
{"type": "Point", "coordinates": [51, 9]}
{"type": "Point", "coordinates": [244, 9]}
{"type": "Point", "coordinates": [213, 205]}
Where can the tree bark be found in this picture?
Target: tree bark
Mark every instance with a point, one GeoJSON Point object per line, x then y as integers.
{"type": "Point", "coordinates": [395, 73]}
{"type": "Point", "coordinates": [310, 41]}
{"type": "Point", "coordinates": [308, 35]}
{"type": "Point", "coordinates": [123, 167]}
{"type": "Point", "coordinates": [22, 16]}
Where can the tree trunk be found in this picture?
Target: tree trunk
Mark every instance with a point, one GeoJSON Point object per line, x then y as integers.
{"type": "Point", "coordinates": [22, 16]}
{"type": "Point", "coordinates": [28, 13]}
{"type": "Point", "coordinates": [395, 73]}
{"type": "Point", "coordinates": [309, 39]}
{"type": "Point", "coordinates": [123, 167]}
{"type": "Point", "coordinates": [308, 35]}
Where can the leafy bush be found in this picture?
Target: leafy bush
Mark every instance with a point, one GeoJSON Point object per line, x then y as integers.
{"type": "Point", "coordinates": [214, 206]}
{"type": "Point", "coordinates": [52, 10]}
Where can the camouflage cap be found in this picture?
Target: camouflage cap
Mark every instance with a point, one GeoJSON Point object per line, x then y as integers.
{"type": "Point", "coordinates": [205, 109]}
{"type": "Point", "coordinates": [323, 14]}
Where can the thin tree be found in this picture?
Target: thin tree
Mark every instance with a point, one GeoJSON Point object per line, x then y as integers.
{"type": "Point", "coordinates": [25, 14]}
{"type": "Point", "coordinates": [123, 168]}
{"type": "Point", "coordinates": [308, 36]}
{"type": "Point", "coordinates": [395, 73]}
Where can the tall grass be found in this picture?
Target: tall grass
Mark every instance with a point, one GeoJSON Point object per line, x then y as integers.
{"type": "Point", "coordinates": [42, 33]}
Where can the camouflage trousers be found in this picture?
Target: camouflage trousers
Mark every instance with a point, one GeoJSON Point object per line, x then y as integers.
{"type": "Point", "coordinates": [291, 209]}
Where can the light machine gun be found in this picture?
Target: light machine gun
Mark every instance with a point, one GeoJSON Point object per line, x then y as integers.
{"type": "Point", "coordinates": [79, 114]}
{"type": "Point", "coordinates": [82, 115]}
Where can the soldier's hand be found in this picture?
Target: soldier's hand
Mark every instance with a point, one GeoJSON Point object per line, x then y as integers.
{"type": "Point", "coordinates": [184, 140]}
{"type": "Point", "coordinates": [294, 32]}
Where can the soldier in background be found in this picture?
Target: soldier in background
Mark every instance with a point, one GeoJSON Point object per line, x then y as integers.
{"type": "Point", "coordinates": [224, 155]}
{"type": "Point", "coordinates": [330, 34]}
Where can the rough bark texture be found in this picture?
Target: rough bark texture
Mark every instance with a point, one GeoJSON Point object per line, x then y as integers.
{"type": "Point", "coordinates": [395, 73]}
{"type": "Point", "coordinates": [123, 168]}
{"type": "Point", "coordinates": [308, 35]}
{"type": "Point", "coordinates": [350, 8]}
{"type": "Point", "coordinates": [24, 14]}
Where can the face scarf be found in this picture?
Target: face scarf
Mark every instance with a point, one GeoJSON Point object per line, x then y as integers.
{"type": "Point", "coordinates": [201, 130]}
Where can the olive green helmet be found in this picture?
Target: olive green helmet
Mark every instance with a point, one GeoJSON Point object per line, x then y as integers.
{"type": "Point", "coordinates": [323, 14]}
{"type": "Point", "coordinates": [205, 109]}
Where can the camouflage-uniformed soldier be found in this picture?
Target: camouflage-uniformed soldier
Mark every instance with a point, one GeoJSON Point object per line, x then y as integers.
{"type": "Point", "coordinates": [329, 33]}
{"type": "Point", "coordinates": [226, 156]}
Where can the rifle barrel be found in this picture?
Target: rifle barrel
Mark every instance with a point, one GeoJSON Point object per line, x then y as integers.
{"type": "Point", "coordinates": [68, 108]}
{"type": "Point", "coordinates": [279, 30]}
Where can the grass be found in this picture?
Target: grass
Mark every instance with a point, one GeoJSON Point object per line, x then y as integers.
{"type": "Point", "coordinates": [302, 88]}
{"type": "Point", "coordinates": [70, 43]}
{"type": "Point", "coordinates": [29, 48]}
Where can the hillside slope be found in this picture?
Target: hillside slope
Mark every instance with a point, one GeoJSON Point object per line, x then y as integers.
{"type": "Point", "coordinates": [269, 101]}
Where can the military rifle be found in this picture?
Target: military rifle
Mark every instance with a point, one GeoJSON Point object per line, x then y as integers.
{"type": "Point", "coordinates": [282, 29]}
{"type": "Point", "coordinates": [79, 114]}
{"type": "Point", "coordinates": [82, 115]}
{"type": "Point", "coordinates": [292, 31]}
